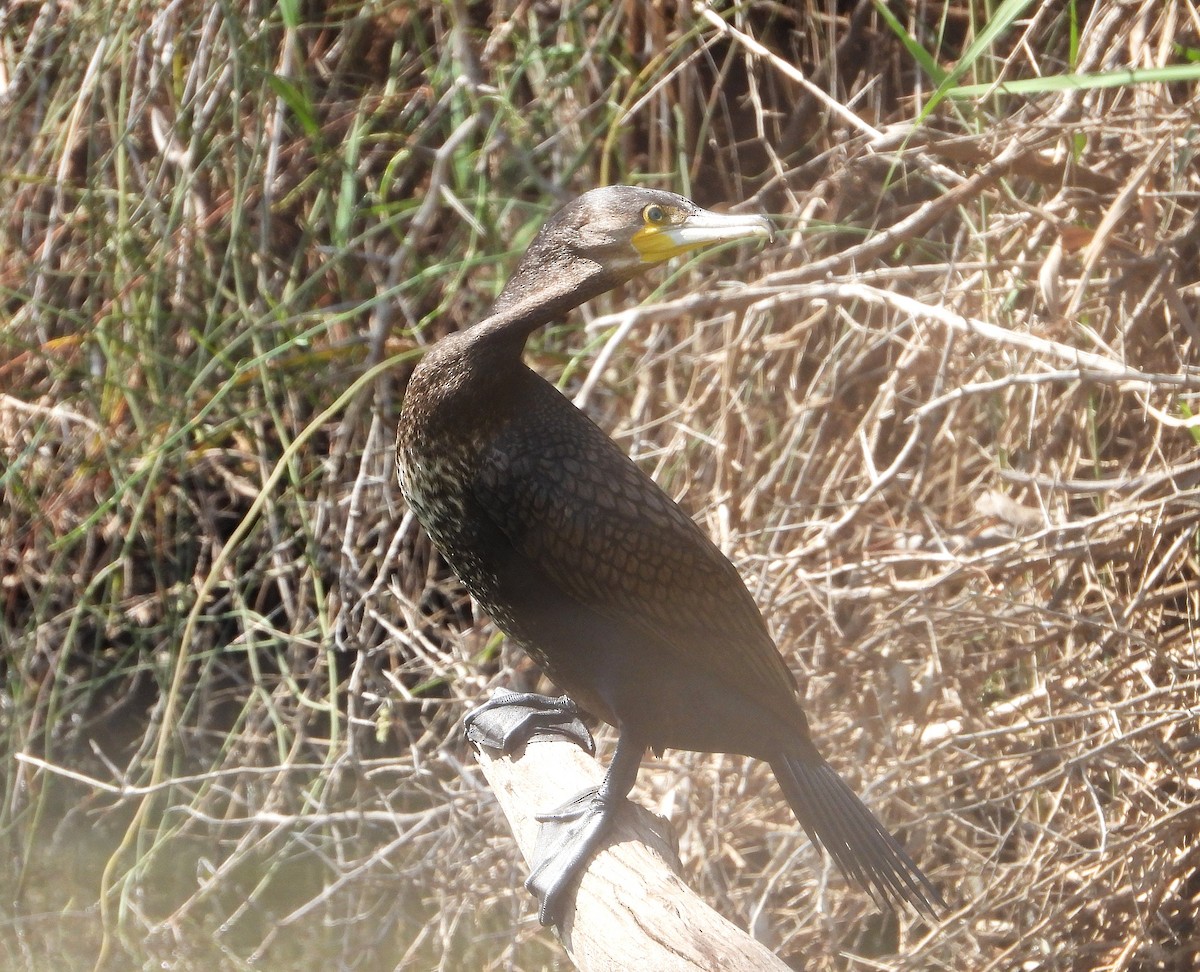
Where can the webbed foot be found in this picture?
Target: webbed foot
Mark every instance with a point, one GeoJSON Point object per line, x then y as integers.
{"type": "Point", "coordinates": [508, 720]}
{"type": "Point", "coordinates": [566, 841]}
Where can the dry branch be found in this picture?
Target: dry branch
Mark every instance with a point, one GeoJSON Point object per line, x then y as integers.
{"type": "Point", "coordinates": [632, 910]}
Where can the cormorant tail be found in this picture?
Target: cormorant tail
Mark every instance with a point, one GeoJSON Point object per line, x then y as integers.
{"type": "Point", "coordinates": [837, 820]}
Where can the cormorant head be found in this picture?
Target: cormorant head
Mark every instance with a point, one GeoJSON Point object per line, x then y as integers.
{"type": "Point", "coordinates": [602, 239]}
{"type": "Point", "coordinates": [625, 229]}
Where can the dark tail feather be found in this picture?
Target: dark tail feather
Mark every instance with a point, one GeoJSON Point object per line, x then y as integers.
{"type": "Point", "coordinates": [838, 821]}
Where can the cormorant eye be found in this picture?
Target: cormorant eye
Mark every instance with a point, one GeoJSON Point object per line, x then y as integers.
{"type": "Point", "coordinates": [654, 214]}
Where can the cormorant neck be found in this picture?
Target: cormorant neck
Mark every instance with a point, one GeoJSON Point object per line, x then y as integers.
{"type": "Point", "coordinates": [541, 291]}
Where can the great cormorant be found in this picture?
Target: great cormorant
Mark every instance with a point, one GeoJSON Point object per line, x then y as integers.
{"type": "Point", "coordinates": [594, 571]}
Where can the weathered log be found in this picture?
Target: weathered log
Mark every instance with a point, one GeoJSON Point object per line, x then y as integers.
{"type": "Point", "coordinates": [632, 910]}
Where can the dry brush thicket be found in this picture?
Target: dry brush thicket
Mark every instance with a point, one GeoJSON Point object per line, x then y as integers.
{"type": "Point", "coordinates": [944, 426]}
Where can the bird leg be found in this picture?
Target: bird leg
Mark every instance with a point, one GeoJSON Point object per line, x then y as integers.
{"type": "Point", "coordinates": [508, 720]}
{"type": "Point", "coordinates": [570, 835]}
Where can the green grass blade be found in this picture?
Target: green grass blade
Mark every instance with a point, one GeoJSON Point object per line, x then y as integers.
{"type": "Point", "coordinates": [1171, 74]}
{"type": "Point", "coordinates": [298, 102]}
{"type": "Point", "coordinates": [1000, 22]}
{"type": "Point", "coordinates": [923, 58]}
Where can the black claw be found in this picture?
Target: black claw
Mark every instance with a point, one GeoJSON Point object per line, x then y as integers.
{"type": "Point", "coordinates": [508, 720]}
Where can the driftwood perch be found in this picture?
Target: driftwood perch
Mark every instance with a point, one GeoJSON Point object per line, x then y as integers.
{"type": "Point", "coordinates": [632, 910]}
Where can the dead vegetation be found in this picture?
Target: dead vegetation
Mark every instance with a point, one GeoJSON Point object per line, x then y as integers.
{"type": "Point", "coordinates": [946, 427]}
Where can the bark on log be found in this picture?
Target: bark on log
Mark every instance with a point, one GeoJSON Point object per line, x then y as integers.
{"type": "Point", "coordinates": [632, 911]}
